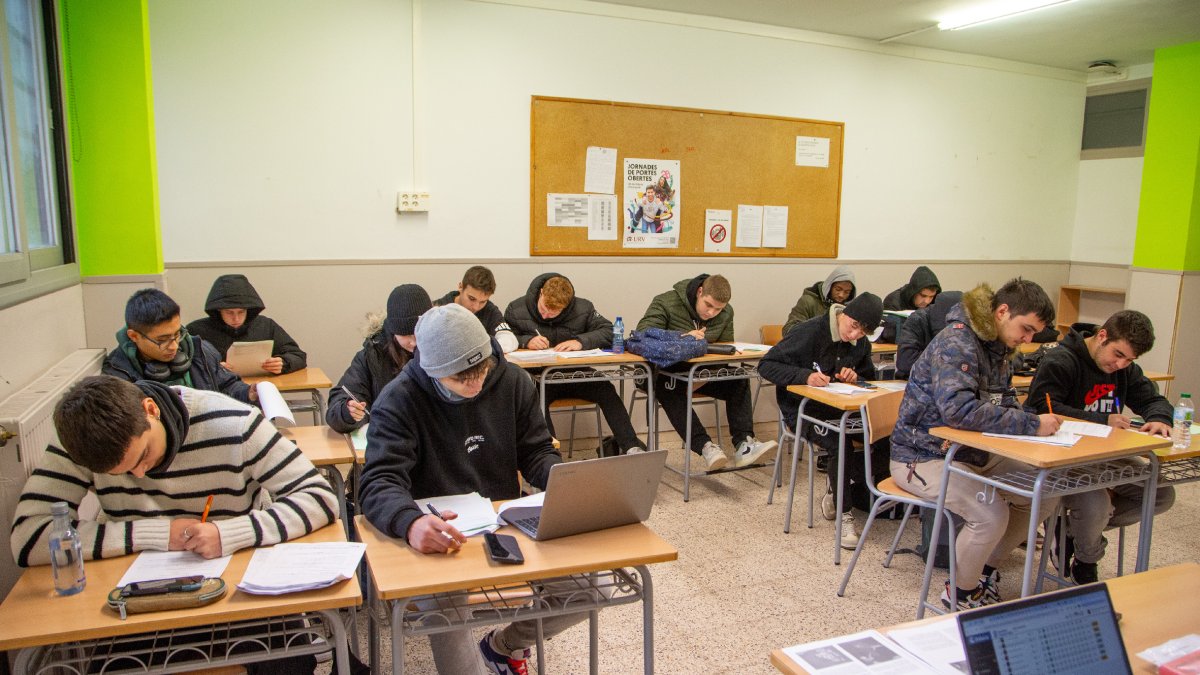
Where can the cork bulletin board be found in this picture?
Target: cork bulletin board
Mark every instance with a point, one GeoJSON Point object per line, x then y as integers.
{"type": "Point", "coordinates": [726, 159]}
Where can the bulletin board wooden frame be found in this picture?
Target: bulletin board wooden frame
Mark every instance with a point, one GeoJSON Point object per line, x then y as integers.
{"type": "Point", "coordinates": [726, 159]}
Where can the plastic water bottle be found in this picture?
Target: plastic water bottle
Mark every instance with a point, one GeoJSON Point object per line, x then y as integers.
{"type": "Point", "coordinates": [66, 552]}
{"type": "Point", "coordinates": [618, 345]}
{"type": "Point", "coordinates": [1185, 412]}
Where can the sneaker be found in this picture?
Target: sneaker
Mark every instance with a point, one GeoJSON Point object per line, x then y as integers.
{"type": "Point", "coordinates": [976, 598]}
{"type": "Point", "coordinates": [990, 583]}
{"type": "Point", "coordinates": [823, 463]}
{"type": "Point", "coordinates": [849, 534]}
{"type": "Point", "coordinates": [1084, 573]}
{"type": "Point", "coordinates": [714, 456]}
{"type": "Point", "coordinates": [635, 451]}
{"type": "Point", "coordinates": [501, 664]}
{"type": "Point", "coordinates": [1064, 567]}
{"type": "Point", "coordinates": [752, 450]}
{"type": "Point", "coordinates": [829, 505]}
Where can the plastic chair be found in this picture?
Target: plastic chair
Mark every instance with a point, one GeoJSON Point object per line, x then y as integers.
{"type": "Point", "coordinates": [574, 406]}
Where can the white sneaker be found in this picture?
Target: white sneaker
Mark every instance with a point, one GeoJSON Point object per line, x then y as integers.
{"type": "Point", "coordinates": [635, 451]}
{"type": "Point", "coordinates": [849, 534]}
{"type": "Point", "coordinates": [829, 505]}
{"type": "Point", "coordinates": [752, 450]}
{"type": "Point", "coordinates": [714, 456]}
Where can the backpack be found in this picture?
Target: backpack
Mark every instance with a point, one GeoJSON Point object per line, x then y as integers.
{"type": "Point", "coordinates": [664, 347]}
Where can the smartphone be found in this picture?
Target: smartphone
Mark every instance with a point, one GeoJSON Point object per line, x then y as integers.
{"type": "Point", "coordinates": [503, 548]}
{"type": "Point", "coordinates": [160, 586]}
{"type": "Point", "coordinates": [865, 385]}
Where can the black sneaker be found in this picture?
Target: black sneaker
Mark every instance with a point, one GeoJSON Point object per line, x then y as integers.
{"type": "Point", "coordinates": [1084, 573]}
{"type": "Point", "coordinates": [976, 598]}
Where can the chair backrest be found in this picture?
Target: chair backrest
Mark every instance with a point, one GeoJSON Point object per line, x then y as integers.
{"type": "Point", "coordinates": [771, 333]}
{"type": "Point", "coordinates": [882, 412]}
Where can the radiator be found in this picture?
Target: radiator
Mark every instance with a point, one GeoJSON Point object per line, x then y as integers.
{"type": "Point", "coordinates": [27, 415]}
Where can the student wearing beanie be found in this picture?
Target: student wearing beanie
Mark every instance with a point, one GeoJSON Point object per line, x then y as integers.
{"type": "Point", "coordinates": [388, 346]}
{"type": "Point", "coordinates": [836, 342]}
{"type": "Point", "coordinates": [459, 418]}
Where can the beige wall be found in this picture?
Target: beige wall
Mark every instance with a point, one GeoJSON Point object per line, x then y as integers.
{"type": "Point", "coordinates": [37, 334]}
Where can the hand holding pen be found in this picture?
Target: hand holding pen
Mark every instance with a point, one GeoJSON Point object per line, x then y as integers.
{"type": "Point", "coordinates": [817, 378]}
{"type": "Point", "coordinates": [357, 408]}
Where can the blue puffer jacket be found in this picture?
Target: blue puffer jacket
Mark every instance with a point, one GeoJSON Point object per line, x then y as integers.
{"type": "Point", "coordinates": [962, 380]}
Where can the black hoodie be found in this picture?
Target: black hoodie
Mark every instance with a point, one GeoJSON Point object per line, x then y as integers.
{"type": "Point", "coordinates": [1078, 388]}
{"type": "Point", "coordinates": [422, 445]}
{"type": "Point", "coordinates": [233, 291]}
{"type": "Point", "coordinates": [919, 329]}
{"type": "Point", "coordinates": [579, 320]}
{"type": "Point", "coordinates": [902, 298]}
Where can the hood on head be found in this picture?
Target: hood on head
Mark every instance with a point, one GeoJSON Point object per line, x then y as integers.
{"type": "Point", "coordinates": [921, 278]}
{"type": "Point", "coordinates": [233, 291]}
{"type": "Point", "coordinates": [977, 310]}
{"type": "Point", "coordinates": [839, 273]}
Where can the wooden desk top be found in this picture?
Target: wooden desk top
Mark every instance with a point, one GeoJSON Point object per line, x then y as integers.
{"type": "Point", "coordinates": [321, 445]}
{"type": "Point", "coordinates": [722, 358]}
{"type": "Point", "coordinates": [605, 360]}
{"type": "Point", "coordinates": [834, 400]}
{"type": "Point", "coordinates": [297, 380]}
{"type": "Point", "coordinates": [401, 572]}
{"type": "Point", "coordinates": [883, 348]}
{"type": "Point", "coordinates": [1023, 381]}
{"type": "Point", "coordinates": [1148, 602]}
{"type": "Point", "coordinates": [33, 615]}
{"type": "Point", "coordinates": [1120, 443]}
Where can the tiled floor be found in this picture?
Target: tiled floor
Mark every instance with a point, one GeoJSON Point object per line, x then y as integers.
{"type": "Point", "coordinates": [741, 587]}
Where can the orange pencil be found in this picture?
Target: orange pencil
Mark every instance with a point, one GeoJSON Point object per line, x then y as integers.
{"type": "Point", "coordinates": [208, 505]}
{"type": "Point", "coordinates": [1048, 407]}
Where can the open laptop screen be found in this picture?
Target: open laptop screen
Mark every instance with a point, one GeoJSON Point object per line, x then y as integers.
{"type": "Point", "coordinates": [1071, 631]}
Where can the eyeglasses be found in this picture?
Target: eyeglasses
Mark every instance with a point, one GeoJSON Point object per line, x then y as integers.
{"type": "Point", "coordinates": [163, 343]}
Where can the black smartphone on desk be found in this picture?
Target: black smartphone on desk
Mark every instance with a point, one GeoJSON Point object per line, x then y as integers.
{"type": "Point", "coordinates": [503, 548]}
{"type": "Point", "coordinates": [161, 586]}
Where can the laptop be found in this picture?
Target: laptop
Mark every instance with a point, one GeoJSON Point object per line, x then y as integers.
{"type": "Point", "coordinates": [592, 494]}
{"type": "Point", "coordinates": [1069, 631]}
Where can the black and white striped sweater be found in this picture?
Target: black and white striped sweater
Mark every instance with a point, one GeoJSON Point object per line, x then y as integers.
{"type": "Point", "coordinates": [264, 490]}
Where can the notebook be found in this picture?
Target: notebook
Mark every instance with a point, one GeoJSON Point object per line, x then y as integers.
{"type": "Point", "coordinates": [591, 495]}
{"type": "Point", "coordinates": [1070, 631]}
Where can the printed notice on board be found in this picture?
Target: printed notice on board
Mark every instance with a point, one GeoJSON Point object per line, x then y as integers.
{"type": "Point", "coordinates": [812, 151]}
{"type": "Point", "coordinates": [602, 217]}
{"type": "Point", "coordinates": [653, 203]}
{"type": "Point", "coordinates": [749, 226]}
{"type": "Point", "coordinates": [775, 226]}
{"type": "Point", "coordinates": [563, 210]}
{"type": "Point", "coordinates": [600, 173]}
{"type": "Point", "coordinates": [718, 229]}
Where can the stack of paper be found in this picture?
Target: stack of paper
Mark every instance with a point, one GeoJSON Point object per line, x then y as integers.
{"type": "Point", "coordinates": [530, 355]}
{"type": "Point", "coordinates": [151, 565]}
{"type": "Point", "coordinates": [358, 438]}
{"type": "Point", "coordinates": [475, 512]}
{"type": "Point", "coordinates": [846, 389]}
{"type": "Point", "coordinates": [1080, 428]}
{"type": "Point", "coordinates": [751, 347]}
{"type": "Point", "coordinates": [246, 358]}
{"type": "Point", "coordinates": [865, 652]}
{"type": "Point", "coordinates": [1062, 438]}
{"type": "Point", "coordinates": [289, 568]}
{"type": "Point", "coordinates": [582, 354]}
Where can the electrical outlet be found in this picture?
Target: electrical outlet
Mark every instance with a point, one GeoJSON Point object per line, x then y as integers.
{"type": "Point", "coordinates": [412, 202]}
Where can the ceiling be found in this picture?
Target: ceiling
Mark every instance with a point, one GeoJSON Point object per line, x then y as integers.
{"type": "Point", "coordinates": [1068, 36]}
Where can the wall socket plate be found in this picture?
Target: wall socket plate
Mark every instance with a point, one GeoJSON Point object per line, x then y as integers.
{"type": "Point", "coordinates": [412, 202]}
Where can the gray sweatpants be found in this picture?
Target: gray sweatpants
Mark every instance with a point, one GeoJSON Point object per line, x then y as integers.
{"type": "Point", "coordinates": [1093, 512]}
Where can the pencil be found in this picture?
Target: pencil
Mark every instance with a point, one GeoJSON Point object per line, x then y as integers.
{"type": "Point", "coordinates": [1048, 406]}
{"type": "Point", "coordinates": [207, 506]}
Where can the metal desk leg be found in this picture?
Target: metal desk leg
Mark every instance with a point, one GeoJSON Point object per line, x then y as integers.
{"type": "Point", "coordinates": [787, 516]}
{"type": "Point", "coordinates": [594, 642]}
{"type": "Point", "coordinates": [930, 557]}
{"type": "Point", "coordinates": [841, 472]}
{"type": "Point", "coordinates": [398, 609]}
{"type": "Point", "coordinates": [647, 620]}
{"type": "Point", "coordinates": [651, 411]}
{"type": "Point", "coordinates": [1149, 495]}
{"type": "Point", "coordinates": [1035, 507]}
{"type": "Point", "coordinates": [341, 650]}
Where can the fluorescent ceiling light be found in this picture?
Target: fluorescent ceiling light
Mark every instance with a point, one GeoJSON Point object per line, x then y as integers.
{"type": "Point", "coordinates": [995, 10]}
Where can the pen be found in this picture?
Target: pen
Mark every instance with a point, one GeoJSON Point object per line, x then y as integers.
{"type": "Point", "coordinates": [207, 506]}
{"type": "Point", "coordinates": [1118, 400]}
{"type": "Point", "coordinates": [433, 510]}
{"type": "Point", "coordinates": [352, 398]}
{"type": "Point", "coordinates": [1048, 406]}
{"type": "Point", "coordinates": [817, 367]}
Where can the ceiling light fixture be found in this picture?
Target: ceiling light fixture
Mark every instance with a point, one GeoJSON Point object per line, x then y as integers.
{"type": "Point", "coordinates": [996, 10]}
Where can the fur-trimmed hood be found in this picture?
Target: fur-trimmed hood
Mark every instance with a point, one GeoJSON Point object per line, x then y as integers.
{"type": "Point", "coordinates": [976, 310]}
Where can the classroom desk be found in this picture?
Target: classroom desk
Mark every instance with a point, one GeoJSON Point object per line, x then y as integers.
{"type": "Point", "coordinates": [1148, 603]}
{"type": "Point", "coordinates": [1058, 472]}
{"type": "Point", "coordinates": [710, 368]}
{"type": "Point", "coordinates": [1022, 382]}
{"type": "Point", "coordinates": [48, 629]}
{"type": "Point", "coordinates": [884, 356]}
{"type": "Point", "coordinates": [593, 561]}
{"type": "Point", "coordinates": [606, 368]}
{"type": "Point", "coordinates": [310, 379]}
{"type": "Point", "coordinates": [327, 450]}
{"type": "Point", "coordinates": [848, 405]}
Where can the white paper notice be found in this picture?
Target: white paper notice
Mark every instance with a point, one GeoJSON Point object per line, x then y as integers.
{"type": "Point", "coordinates": [246, 358]}
{"type": "Point", "coordinates": [749, 226]}
{"type": "Point", "coordinates": [718, 226]}
{"type": "Point", "coordinates": [602, 217]}
{"type": "Point", "coordinates": [812, 151]}
{"type": "Point", "coordinates": [564, 210]}
{"type": "Point", "coordinates": [151, 565]}
{"type": "Point", "coordinates": [600, 174]}
{"type": "Point", "coordinates": [775, 226]}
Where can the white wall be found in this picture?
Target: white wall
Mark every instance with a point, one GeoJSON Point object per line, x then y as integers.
{"type": "Point", "coordinates": [1106, 210]}
{"type": "Point", "coordinates": [284, 127]}
{"type": "Point", "coordinates": [37, 334]}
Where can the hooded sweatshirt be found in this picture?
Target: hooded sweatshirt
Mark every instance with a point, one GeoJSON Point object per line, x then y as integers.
{"type": "Point", "coordinates": [579, 320]}
{"type": "Point", "coordinates": [420, 444]}
{"type": "Point", "coordinates": [916, 332]}
{"type": "Point", "coordinates": [1078, 388]}
{"type": "Point", "coordinates": [901, 299]}
{"type": "Point", "coordinates": [233, 291]}
{"type": "Point", "coordinates": [676, 310]}
{"type": "Point", "coordinates": [815, 300]}
{"type": "Point", "coordinates": [962, 380]}
{"type": "Point", "coordinates": [492, 319]}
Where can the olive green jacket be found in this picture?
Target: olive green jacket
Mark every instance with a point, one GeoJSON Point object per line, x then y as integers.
{"type": "Point", "coordinates": [676, 310]}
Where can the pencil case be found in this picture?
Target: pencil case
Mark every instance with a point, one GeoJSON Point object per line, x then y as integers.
{"type": "Point", "coordinates": [211, 590]}
{"type": "Point", "coordinates": [726, 350]}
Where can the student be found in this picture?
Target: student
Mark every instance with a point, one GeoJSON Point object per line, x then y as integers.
{"type": "Point", "coordinates": [921, 290]}
{"type": "Point", "coordinates": [837, 344]}
{"type": "Point", "coordinates": [816, 300]}
{"type": "Point", "coordinates": [962, 380]}
{"type": "Point", "coordinates": [153, 345]}
{"type": "Point", "coordinates": [919, 329]}
{"type": "Point", "coordinates": [458, 418]}
{"type": "Point", "coordinates": [700, 308]}
{"type": "Point", "coordinates": [235, 315]}
{"type": "Point", "coordinates": [1091, 375]}
{"type": "Point", "coordinates": [475, 292]}
{"type": "Point", "coordinates": [388, 346]}
{"type": "Point", "coordinates": [551, 315]}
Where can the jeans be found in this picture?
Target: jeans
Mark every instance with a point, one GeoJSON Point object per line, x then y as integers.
{"type": "Point", "coordinates": [673, 396]}
{"type": "Point", "coordinates": [603, 394]}
{"type": "Point", "coordinates": [1090, 513]}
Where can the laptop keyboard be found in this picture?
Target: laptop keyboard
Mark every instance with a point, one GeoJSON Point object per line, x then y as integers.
{"type": "Point", "coordinates": [528, 525]}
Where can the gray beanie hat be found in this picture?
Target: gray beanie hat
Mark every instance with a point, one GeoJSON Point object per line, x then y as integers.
{"type": "Point", "coordinates": [450, 340]}
{"type": "Point", "coordinates": [867, 309]}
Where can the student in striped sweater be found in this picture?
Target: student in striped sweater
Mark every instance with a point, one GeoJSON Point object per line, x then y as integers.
{"type": "Point", "coordinates": [154, 454]}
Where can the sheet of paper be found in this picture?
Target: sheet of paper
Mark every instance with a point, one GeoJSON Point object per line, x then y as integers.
{"type": "Point", "coordinates": [749, 226]}
{"type": "Point", "coordinates": [151, 565]}
{"type": "Point", "coordinates": [290, 568]}
{"type": "Point", "coordinates": [529, 355]}
{"type": "Point", "coordinates": [900, 312]}
{"type": "Point", "coordinates": [1060, 438]}
{"type": "Point", "coordinates": [775, 226]}
{"type": "Point", "coordinates": [812, 151]}
{"type": "Point", "coordinates": [891, 386]}
{"type": "Point", "coordinates": [750, 347]}
{"type": "Point", "coordinates": [865, 652]}
{"type": "Point", "coordinates": [358, 438]}
{"type": "Point", "coordinates": [600, 172]}
{"type": "Point", "coordinates": [937, 643]}
{"type": "Point", "coordinates": [272, 403]}
{"type": "Point", "coordinates": [602, 217]}
{"type": "Point", "coordinates": [581, 354]}
{"type": "Point", "coordinates": [847, 389]}
{"type": "Point", "coordinates": [1081, 428]}
{"type": "Point", "coordinates": [245, 358]}
{"type": "Point", "coordinates": [566, 210]}
{"type": "Point", "coordinates": [475, 512]}
{"type": "Point", "coordinates": [535, 499]}
{"type": "Point", "coordinates": [718, 228]}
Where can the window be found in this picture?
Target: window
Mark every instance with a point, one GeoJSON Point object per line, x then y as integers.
{"type": "Point", "coordinates": [1114, 120]}
{"type": "Point", "coordinates": [35, 228]}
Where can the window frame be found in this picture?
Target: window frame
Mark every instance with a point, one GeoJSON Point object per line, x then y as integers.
{"type": "Point", "coordinates": [1128, 150]}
